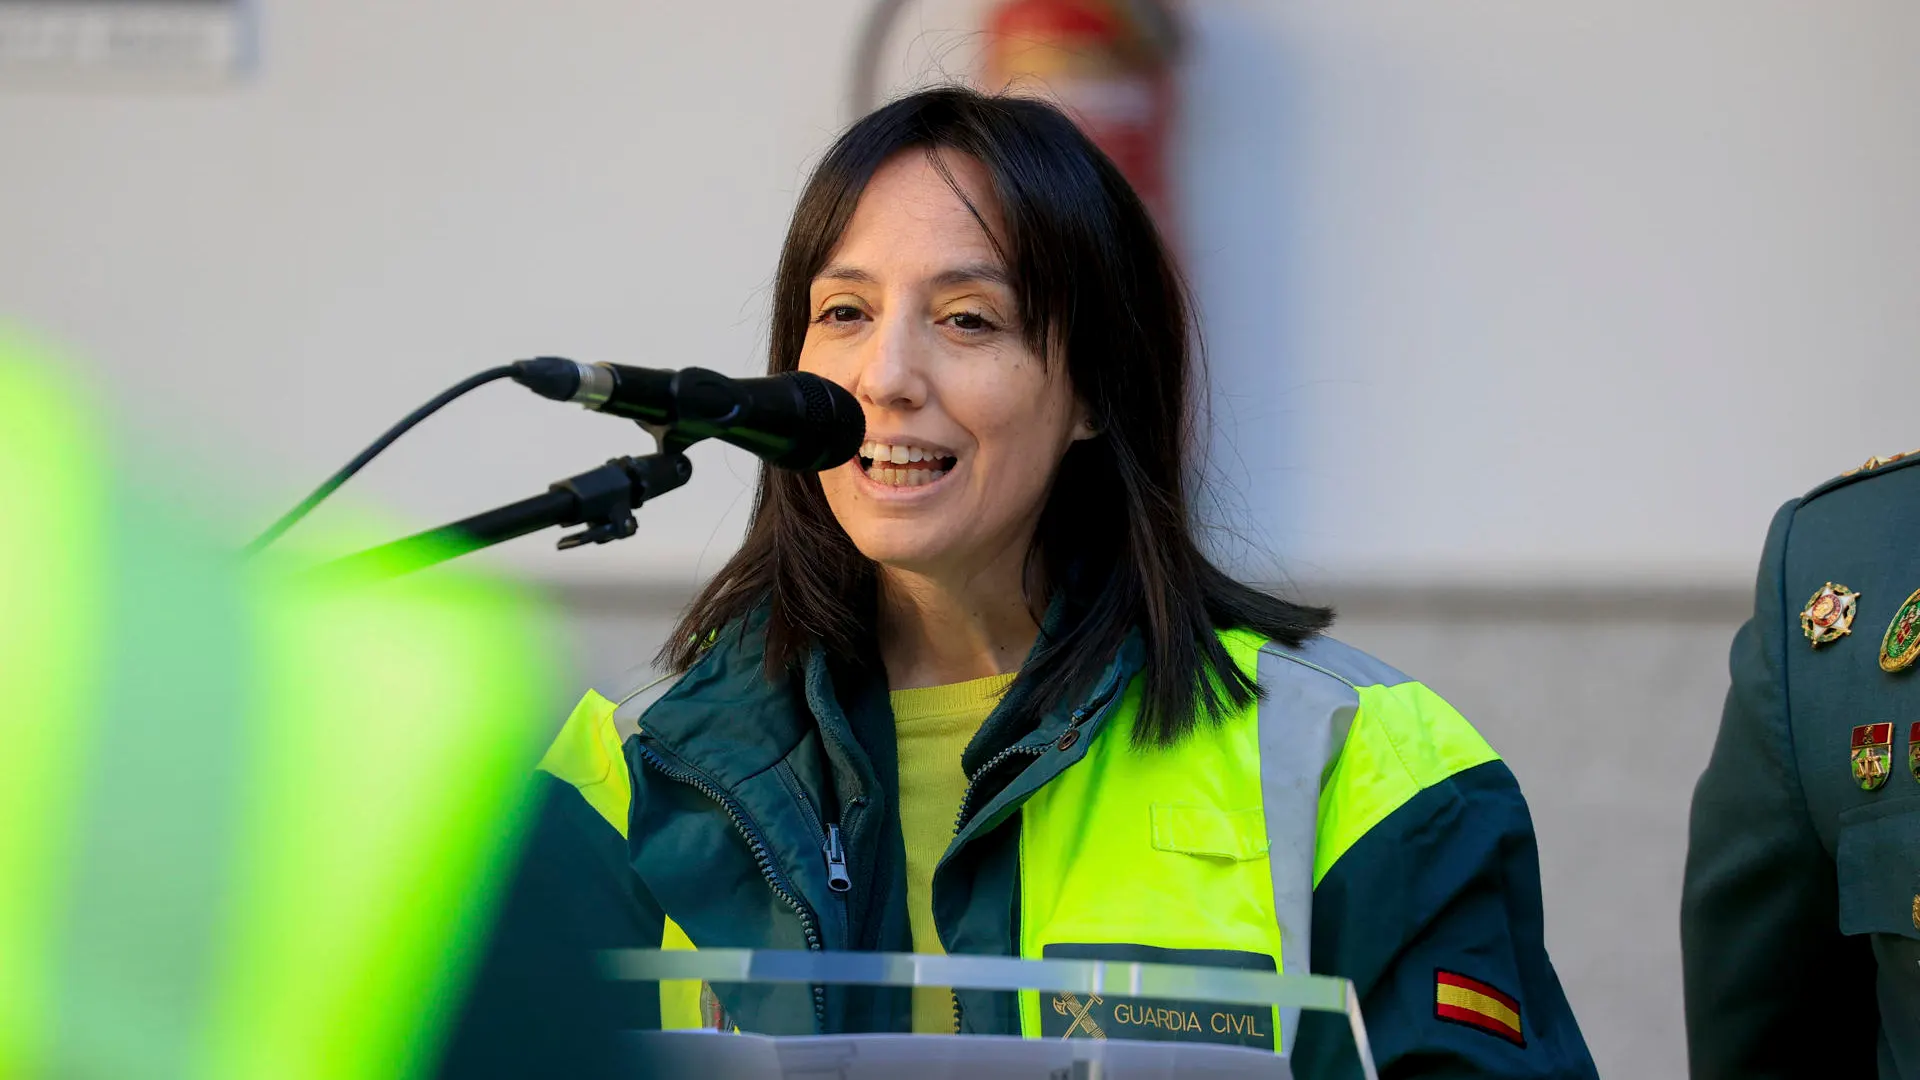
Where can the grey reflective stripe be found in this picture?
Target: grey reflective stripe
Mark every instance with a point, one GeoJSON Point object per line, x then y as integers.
{"type": "Point", "coordinates": [966, 972]}
{"type": "Point", "coordinates": [626, 714]}
{"type": "Point", "coordinates": [1346, 663]}
{"type": "Point", "coordinates": [1305, 712]}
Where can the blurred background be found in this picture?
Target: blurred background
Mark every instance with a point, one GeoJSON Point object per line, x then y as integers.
{"type": "Point", "coordinates": [1521, 318]}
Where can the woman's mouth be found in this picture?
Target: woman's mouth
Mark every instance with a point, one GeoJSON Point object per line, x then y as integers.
{"type": "Point", "coordinates": [904, 464]}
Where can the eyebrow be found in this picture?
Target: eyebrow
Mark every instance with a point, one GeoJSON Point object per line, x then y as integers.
{"type": "Point", "coordinates": [960, 275]}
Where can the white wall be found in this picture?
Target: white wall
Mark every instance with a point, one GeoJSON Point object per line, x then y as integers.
{"type": "Point", "coordinates": [407, 193]}
{"type": "Point", "coordinates": [1530, 290]}
{"type": "Point", "coordinates": [1495, 289]}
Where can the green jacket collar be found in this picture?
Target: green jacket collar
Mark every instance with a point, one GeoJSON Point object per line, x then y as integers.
{"type": "Point", "coordinates": [790, 756]}
{"type": "Point", "coordinates": [728, 719]}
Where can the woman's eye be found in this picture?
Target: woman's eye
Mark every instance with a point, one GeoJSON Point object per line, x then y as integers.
{"type": "Point", "coordinates": [840, 313]}
{"type": "Point", "coordinates": [968, 320]}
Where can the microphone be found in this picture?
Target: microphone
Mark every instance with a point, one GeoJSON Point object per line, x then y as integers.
{"type": "Point", "coordinates": [794, 420]}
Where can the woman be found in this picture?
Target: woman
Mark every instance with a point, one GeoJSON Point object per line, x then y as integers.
{"type": "Point", "coordinates": [980, 691]}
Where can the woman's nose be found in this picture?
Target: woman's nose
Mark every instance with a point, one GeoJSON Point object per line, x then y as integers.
{"type": "Point", "coordinates": [891, 374]}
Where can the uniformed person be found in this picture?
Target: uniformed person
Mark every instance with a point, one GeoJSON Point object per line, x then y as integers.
{"type": "Point", "coordinates": [1800, 923]}
{"type": "Point", "coordinates": [248, 827]}
{"type": "Point", "coordinates": [979, 690]}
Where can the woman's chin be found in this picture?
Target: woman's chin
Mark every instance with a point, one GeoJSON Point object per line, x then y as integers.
{"type": "Point", "coordinates": [911, 551]}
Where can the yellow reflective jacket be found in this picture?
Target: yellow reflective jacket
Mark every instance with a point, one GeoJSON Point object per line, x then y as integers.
{"type": "Point", "coordinates": [1350, 823]}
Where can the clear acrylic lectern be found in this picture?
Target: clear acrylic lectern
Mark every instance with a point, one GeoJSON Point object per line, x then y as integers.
{"type": "Point", "coordinates": [711, 1055]}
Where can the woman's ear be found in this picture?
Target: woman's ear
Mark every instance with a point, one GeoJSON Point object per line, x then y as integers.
{"type": "Point", "coordinates": [1083, 425]}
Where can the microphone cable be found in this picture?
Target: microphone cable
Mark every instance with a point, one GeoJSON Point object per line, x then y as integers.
{"type": "Point", "coordinates": [291, 517]}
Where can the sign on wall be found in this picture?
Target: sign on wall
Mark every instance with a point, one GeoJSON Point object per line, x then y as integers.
{"type": "Point", "coordinates": [64, 39]}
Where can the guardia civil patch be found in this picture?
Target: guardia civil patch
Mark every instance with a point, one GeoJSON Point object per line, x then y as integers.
{"type": "Point", "coordinates": [1110, 1016]}
{"type": "Point", "coordinates": [1458, 999]}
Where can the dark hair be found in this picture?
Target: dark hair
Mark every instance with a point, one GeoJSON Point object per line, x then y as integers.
{"type": "Point", "coordinates": [1095, 285]}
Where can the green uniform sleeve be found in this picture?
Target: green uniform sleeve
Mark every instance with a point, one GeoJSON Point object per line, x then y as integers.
{"type": "Point", "coordinates": [539, 1004]}
{"type": "Point", "coordinates": [1772, 987]}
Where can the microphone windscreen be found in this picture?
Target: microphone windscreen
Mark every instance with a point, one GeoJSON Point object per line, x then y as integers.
{"type": "Point", "coordinates": [835, 424]}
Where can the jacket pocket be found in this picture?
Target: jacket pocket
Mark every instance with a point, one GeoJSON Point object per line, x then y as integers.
{"type": "Point", "coordinates": [1210, 832]}
{"type": "Point", "coordinates": [1877, 860]}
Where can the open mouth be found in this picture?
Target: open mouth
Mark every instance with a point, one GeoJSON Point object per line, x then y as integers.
{"type": "Point", "coordinates": [904, 464]}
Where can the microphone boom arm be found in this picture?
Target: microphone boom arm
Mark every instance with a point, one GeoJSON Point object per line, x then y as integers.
{"type": "Point", "coordinates": [602, 499]}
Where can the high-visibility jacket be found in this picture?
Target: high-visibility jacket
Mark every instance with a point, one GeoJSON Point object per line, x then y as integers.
{"type": "Point", "coordinates": [247, 828]}
{"type": "Point", "coordinates": [1349, 823]}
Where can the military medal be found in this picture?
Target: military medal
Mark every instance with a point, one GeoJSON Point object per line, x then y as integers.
{"type": "Point", "coordinates": [1901, 645]}
{"type": "Point", "coordinates": [1913, 760]}
{"type": "Point", "coordinates": [1876, 461]}
{"type": "Point", "coordinates": [1829, 615]}
{"type": "Point", "coordinates": [1872, 752]}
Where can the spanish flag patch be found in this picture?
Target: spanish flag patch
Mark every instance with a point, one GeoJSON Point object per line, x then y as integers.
{"type": "Point", "coordinates": [1461, 1000]}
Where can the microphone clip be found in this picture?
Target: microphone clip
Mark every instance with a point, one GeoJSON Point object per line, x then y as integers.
{"type": "Point", "coordinates": [605, 498]}
{"type": "Point", "coordinates": [667, 439]}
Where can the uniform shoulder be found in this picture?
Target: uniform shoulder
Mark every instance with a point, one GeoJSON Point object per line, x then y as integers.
{"type": "Point", "coordinates": [1400, 757]}
{"type": "Point", "coordinates": [639, 695]}
{"type": "Point", "coordinates": [588, 744]}
{"type": "Point", "coordinates": [585, 755]}
{"type": "Point", "coordinates": [1338, 660]}
{"type": "Point", "coordinates": [1871, 469]}
{"type": "Point", "coordinates": [1412, 731]}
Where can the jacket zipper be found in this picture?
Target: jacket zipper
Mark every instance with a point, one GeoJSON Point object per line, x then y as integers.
{"type": "Point", "coordinates": [1065, 741]}
{"type": "Point", "coordinates": [837, 878]}
{"type": "Point", "coordinates": [809, 926]}
{"type": "Point", "coordinates": [992, 763]}
{"type": "Point", "coordinates": [966, 801]}
{"type": "Point", "coordinates": [831, 847]}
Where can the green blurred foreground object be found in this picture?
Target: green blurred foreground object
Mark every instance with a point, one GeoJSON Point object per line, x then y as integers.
{"type": "Point", "coordinates": [248, 828]}
{"type": "Point", "coordinates": [1800, 922]}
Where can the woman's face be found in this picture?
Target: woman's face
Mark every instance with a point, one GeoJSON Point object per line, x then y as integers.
{"type": "Point", "coordinates": [966, 426]}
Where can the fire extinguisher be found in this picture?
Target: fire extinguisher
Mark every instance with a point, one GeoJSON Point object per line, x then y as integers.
{"type": "Point", "coordinates": [1108, 62]}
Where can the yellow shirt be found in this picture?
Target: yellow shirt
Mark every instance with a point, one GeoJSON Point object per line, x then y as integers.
{"type": "Point", "coordinates": [933, 726]}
